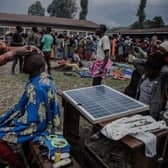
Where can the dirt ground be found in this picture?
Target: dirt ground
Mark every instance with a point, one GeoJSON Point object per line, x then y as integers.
{"type": "Point", "coordinates": [12, 86]}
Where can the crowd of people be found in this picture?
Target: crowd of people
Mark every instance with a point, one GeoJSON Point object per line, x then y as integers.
{"type": "Point", "coordinates": [38, 111]}
{"type": "Point", "coordinates": [61, 46]}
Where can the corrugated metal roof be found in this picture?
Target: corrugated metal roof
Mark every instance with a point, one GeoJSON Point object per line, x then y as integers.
{"type": "Point", "coordinates": [6, 17]}
{"type": "Point", "coordinates": [142, 31]}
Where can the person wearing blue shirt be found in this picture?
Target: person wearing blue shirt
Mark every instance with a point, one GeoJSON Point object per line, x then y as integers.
{"type": "Point", "coordinates": [36, 112]}
{"type": "Point", "coordinates": [47, 42]}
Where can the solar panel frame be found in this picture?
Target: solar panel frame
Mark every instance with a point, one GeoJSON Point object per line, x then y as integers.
{"type": "Point", "coordinates": [94, 120]}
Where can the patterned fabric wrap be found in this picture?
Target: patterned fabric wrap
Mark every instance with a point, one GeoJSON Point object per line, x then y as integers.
{"type": "Point", "coordinates": [96, 65]}
{"type": "Point", "coordinates": [36, 112]}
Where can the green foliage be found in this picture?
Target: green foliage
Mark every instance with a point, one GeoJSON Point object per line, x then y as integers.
{"type": "Point", "coordinates": [148, 23]}
{"type": "Point", "coordinates": [62, 8]}
{"type": "Point", "coordinates": [141, 13]}
{"type": "Point", "coordinates": [36, 9]}
{"type": "Point", "coordinates": [135, 25]}
{"type": "Point", "coordinates": [84, 9]}
{"type": "Point", "coordinates": [158, 21]}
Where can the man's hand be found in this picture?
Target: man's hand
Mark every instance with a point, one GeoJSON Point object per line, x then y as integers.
{"type": "Point", "coordinates": [2, 44]}
{"type": "Point", "coordinates": [17, 51]}
{"type": "Point", "coordinates": [25, 50]}
{"type": "Point", "coordinates": [21, 51]}
{"type": "Point", "coordinates": [34, 48]}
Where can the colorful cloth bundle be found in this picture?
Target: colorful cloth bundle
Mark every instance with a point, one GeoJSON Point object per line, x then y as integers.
{"type": "Point", "coordinates": [96, 66]}
{"type": "Point", "coordinates": [53, 143]}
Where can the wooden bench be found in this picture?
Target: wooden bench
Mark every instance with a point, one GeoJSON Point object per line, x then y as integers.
{"type": "Point", "coordinates": [36, 160]}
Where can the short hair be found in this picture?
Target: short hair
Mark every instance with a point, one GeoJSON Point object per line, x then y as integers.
{"type": "Point", "coordinates": [103, 28]}
{"type": "Point", "coordinates": [35, 29]}
{"type": "Point", "coordinates": [48, 29]}
{"type": "Point", "coordinates": [36, 61]}
{"type": "Point", "coordinates": [60, 36]}
{"type": "Point", "coordinates": [19, 28]}
{"type": "Point", "coordinates": [155, 61]}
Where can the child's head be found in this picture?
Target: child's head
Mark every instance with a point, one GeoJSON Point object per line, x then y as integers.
{"type": "Point", "coordinates": [153, 65]}
{"type": "Point", "coordinates": [34, 64]}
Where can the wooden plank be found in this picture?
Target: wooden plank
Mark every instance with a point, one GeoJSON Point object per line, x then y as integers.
{"type": "Point", "coordinates": [47, 163]}
{"type": "Point", "coordinates": [133, 143]}
{"type": "Point", "coordinates": [43, 163]}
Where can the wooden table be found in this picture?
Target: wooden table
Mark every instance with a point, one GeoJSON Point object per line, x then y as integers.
{"type": "Point", "coordinates": [136, 147]}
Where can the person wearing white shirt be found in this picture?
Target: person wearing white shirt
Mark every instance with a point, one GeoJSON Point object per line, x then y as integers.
{"type": "Point", "coordinates": [103, 54]}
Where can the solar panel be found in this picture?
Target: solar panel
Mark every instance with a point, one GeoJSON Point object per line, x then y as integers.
{"type": "Point", "coordinates": [101, 103]}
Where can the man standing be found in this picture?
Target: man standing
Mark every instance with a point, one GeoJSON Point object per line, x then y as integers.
{"type": "Point", "coordinates": [17, 41]}
{"type": "Point", "coordinates": [99, 68]}
{"type": "Point", "coordinates": [47, 42]}
{"type": "Point", "coordinates": [34, 38]}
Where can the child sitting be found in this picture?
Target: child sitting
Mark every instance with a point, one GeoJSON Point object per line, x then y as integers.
{"type": "Point", "coordinates": [74, 65]}
{"type": "Point", "coordinates": [75, 57]}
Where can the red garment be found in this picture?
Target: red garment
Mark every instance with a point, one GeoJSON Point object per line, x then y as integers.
{"type": "Point", "coordinates": [8, 155]}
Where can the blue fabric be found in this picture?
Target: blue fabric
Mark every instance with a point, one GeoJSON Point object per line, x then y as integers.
{"type": "Point", "coordinates": [35, 112]}
{"type": "Point", "coordinates": [86, 74]}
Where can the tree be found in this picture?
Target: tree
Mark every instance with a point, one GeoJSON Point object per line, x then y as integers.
{"type": "Point", "coordinates": [141, 13]}
{"type": "Point", "coordinates": [135, 25]}
{"type": "Point", "coordinates": [158, 21]}
{"type": "Point", "coordinates": [62, 8]}
{"type": "Point", "coordinates": [84, 9]}
{"type": "Point", "coordinates": [148, 23]}
{"type": "Point", "coordinates": [36, 9]}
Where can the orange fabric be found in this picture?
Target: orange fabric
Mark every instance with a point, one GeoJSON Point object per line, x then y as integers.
{"type": "Point", "coordinates": [113, 50]}
{"type": "Point", "coordinates": [118, 75]}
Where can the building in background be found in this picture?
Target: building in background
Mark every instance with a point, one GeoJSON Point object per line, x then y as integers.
{"type": "Point", "coordinates": [60, 25]}
{"type": "Point", "coordinates": [161, 32]}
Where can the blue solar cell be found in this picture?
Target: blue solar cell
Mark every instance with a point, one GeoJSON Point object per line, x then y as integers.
{"type": "Point", "coordinates": [102, 102]}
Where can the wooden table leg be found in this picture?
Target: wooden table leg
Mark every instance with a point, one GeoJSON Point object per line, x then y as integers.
{"type": "Point", "coordinates": [71, 123]}
{"type": "Point", "coordinates": [139, 160]}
